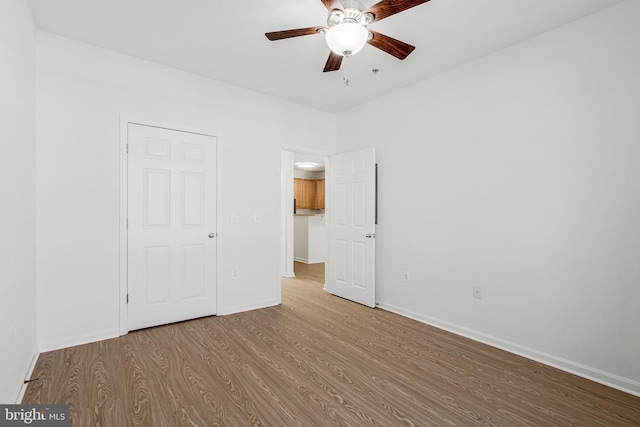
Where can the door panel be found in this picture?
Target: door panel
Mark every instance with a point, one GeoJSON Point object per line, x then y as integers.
{"type": "Point", "coordinates": [352, 226]}
{"type": "Point", "coordinates": [192, 199]}
{"type": "Point", "coordinates": [157, 283]}
{"type": "Point", "coordinates": [156, 193]}
{"type": "Point", "coordinates": [172, 212]}
{"type": "Point", "coordinates": [193, 274]}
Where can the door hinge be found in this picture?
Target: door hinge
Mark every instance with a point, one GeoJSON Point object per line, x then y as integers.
{"type": "Point", "coordinates": [127, 148]}
{"type": "Point", "coordinates": [127, 298]}
{"type": "Point", "coordinates": [127, 222]}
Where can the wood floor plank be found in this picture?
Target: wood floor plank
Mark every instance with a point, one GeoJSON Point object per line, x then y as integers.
{"type": "Point", "coordinates": [315, 360]}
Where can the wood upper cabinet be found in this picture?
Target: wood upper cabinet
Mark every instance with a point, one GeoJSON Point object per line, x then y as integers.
{"type": "Point", "coordinates": [309, 194]}
{"type": "Point", "coordinates": [298, 192]}
{"type": "Point", "coordinates": [319, 194]}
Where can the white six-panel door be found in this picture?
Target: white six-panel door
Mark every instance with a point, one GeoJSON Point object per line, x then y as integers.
{"type": "Point", "coordinates": [171, 226]}
{"type": "Point", "coordinates": [352, 226]}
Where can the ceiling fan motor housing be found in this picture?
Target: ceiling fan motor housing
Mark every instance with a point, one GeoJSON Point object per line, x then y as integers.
{"type": "Point", "coordinates": [338, 16]}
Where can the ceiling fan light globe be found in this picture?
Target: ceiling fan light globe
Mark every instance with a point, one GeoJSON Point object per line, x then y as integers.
{"type": "Point", "coordinates": [346, 39]}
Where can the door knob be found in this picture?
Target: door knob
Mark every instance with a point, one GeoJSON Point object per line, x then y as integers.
{"type": "Point", "coordinates": [212, 235]}
{"type": "Point", "coordinates": [368, 235]}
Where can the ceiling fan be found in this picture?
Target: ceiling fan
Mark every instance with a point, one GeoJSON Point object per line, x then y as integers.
{"type": "Point", "coordinates": [346, 32]}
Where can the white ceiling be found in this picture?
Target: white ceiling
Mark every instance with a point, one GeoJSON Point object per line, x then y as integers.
{"type": "Point", "coordinates": [224, 40]}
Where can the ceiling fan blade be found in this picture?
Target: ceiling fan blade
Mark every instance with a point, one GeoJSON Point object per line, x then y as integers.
{"type": "Point", "coordinates": [333, 63]}
{"type": "Point", "coordinates": [287, 34]}
{"type": "Point", "coordinates": [386, 8]}
{"type": "Point", "coordinates": [328, 4]}
{"type": "Point", "coordinates": [392, 46]}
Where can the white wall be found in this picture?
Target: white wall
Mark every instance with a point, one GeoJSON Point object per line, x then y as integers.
{"type": "Point", "coordinates": [18, 190]}
{"type": "Point", "coordinates": [81, 93]}
{"type": "Point", "coordinates": [519, 173]}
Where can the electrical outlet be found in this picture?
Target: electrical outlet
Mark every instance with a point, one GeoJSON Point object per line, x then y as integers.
{"type": "Point", "coordinates": [477, 292]}
{"type": "Point", "coordinates": [234, 218]}
{"type": "Point", "coordinates": [257, 218]}
{"type": "Point", "coordinates": [406, 276]}
{"type": "Point", "coordinates": [234, 273]}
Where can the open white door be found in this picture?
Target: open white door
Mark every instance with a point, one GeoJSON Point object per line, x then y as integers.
{"type": "Point", "coordinates": [172, 224]}
{"type": "Point", "coordinates": [352, 226]}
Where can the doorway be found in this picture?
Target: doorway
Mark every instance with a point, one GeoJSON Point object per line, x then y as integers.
{"type": "Point", "coordinates": [350, 229]}
{"type": "Point", "coordinates": [304, 230]}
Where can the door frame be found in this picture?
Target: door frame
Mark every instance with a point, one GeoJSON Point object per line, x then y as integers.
{"type": "Point", "coordinates": [124, 208]}
{"type": "Point", "coordinates": [327, 212]}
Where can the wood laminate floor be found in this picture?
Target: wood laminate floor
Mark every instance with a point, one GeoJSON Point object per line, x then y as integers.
{"type": "Point", "coordinates": [315, 360]}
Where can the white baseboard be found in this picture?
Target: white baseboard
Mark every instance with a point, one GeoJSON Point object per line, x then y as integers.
{"type": "Point", "coordinates": [249, 307]}
{"type": "Point", "coordinates": [606, 378]}
{"type": "Point", "coordinates": [79, 340]}
{"type": "Point", "coordinates": [289, 274]}
{"type": "Point", "coordinates": [309, 261]}
{"type": "Point", "coordinates": [22, 388]}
